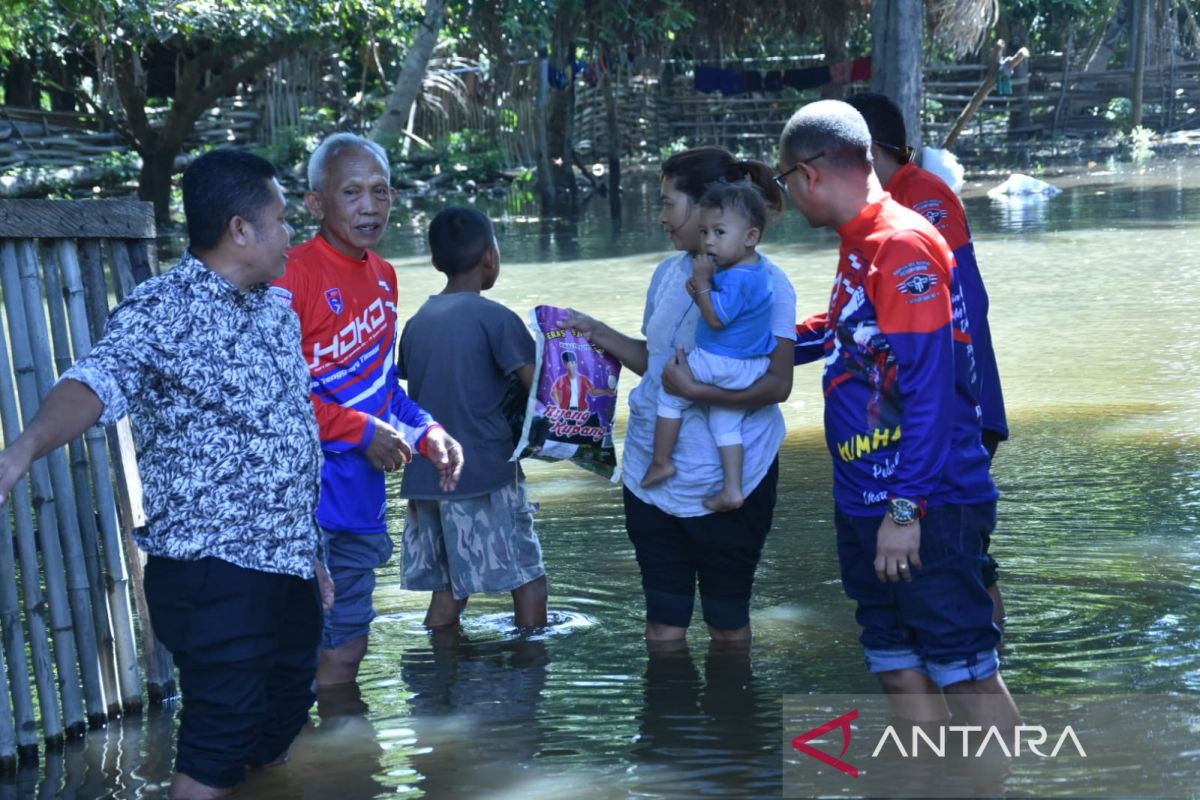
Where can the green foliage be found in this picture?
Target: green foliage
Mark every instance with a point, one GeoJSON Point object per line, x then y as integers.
{"type": "Point", "coordinates": [671, 148]}
{"type": "Point", "coordinates": [473, 154]}
{"type": "Point", "coordinates": [1140, 143]}
{"type": "Point", "coordinates": [1050, 22]}
{"type": "Point", "coordinates": [290, 148]}
{"type": "Point", "coordinates": [118, 167]}
{"type": "Point", "coordinates": [1120, 111]}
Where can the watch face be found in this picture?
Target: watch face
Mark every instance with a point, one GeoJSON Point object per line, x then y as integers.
{"type": "Point", "coordinates": [902, 511]}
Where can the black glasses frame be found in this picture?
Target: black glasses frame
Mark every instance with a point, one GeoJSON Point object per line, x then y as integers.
{"type": "Point", "coordinates": [781, 178]}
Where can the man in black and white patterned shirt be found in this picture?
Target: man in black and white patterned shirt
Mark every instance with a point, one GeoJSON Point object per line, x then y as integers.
{"type": "Point", "coordinates": [209, 369]}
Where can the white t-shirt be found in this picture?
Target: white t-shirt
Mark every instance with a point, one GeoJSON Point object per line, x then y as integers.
{"type": "Point", "coordinates": [669, 322]}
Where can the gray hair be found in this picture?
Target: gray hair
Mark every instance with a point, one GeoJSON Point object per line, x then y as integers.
{"type": "Point", "coordinates": [333, 146]}
{"type": "Point", "coordinates": [831, 127]}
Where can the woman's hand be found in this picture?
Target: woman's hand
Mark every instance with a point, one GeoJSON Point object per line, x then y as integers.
{"type": "Point", "coordinates": [677, 376]}
{"type": "Point", "coordinates": [630, 352]}
{"type": "Point", "coordinates": [587, 326]}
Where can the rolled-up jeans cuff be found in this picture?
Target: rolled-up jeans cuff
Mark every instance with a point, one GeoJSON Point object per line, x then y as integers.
{"type": "Point", "coordinates": [893, 659]}
{"type": "Point", "coordinates": [982, 665]}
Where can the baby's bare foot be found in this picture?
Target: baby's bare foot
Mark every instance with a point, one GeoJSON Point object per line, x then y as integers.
{"type": "Point", "coordinates": [724, 501]}
{"type": "Point", "coordinates": [657, 474]}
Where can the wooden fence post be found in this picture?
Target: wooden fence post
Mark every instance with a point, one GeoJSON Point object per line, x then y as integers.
{"type": "Point", "coordinates": [65, 656]}
{"type": "Point", "coordinates": [128, 671]}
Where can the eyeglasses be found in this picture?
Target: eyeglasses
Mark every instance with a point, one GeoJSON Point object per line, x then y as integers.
{"type": "Point", "coordinates": [903, 154]}
{"type": "Point", "coordinates": [781, 178]}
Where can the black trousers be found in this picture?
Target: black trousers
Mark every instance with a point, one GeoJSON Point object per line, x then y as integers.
{"type": "Point", "coordinates": [717, 552]}
{"type": "Point", "coordinates": [246, 645]}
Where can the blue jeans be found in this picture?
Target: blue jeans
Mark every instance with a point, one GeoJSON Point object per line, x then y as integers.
{"type": "Point", "coordinates": [941, 622]}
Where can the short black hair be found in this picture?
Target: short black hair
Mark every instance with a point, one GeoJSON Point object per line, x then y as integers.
{"type": "Point", "coordinates": [831, 128]}
{"type": "Point", "coordinates": [458, 238]}
{"type": "Point", "coordinates": [568, 357]}
{"type": "Point", "coordinates": [884, 120]}
{"type": "Point", "coordinates": [221, 185]}
{"type": "Point", "coordinates": [740, 197]}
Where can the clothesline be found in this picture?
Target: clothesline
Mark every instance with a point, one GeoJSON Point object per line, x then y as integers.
{"type": "Point", "coordinates": [736, 81]}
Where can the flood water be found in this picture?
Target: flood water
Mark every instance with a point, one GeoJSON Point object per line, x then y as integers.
{"type": "Point", "coordinates": [1094, 315]}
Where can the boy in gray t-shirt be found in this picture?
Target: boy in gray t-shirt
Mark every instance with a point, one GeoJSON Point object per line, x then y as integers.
{"type": "Point", "coordinates": [460, 353]}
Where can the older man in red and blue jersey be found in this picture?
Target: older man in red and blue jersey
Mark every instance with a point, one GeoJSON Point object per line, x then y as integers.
{"type": "Point", "coordinates": [345, 295]}
{"type": "Point", "coordinates": [930, 196]}
{"type": "Point", "coordinates": [912, 488]}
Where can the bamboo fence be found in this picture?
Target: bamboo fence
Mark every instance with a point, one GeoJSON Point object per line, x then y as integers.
{"type": "Point", "coordinates": [71, 519]}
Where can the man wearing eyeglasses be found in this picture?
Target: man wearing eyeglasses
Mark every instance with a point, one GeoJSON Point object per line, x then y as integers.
{"type": "Point", "coordinates": [930, 196]}
{"type": "Point", "coordinates": [912, 489]}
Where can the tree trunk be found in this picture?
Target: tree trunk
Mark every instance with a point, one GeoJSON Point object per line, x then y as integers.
{"type": "Point", "coordinates": [1141, 24]}
{"type": "Point", "coordinates": [20, 88]}
{"type": "Point", "coordinates": [154, 182]}
{"type": "Point", "coordinates": [412, 74]}
{"type": "Point", "coordinates": [614, 147]}
{"type": "Point", "coordinates": [1113, 33]}
{"type": "Point", "coordinates": [545, 176]}
{"type": "Point", "coordinates": [834, 36]}
{"type": "Point", "coordinates": [196, 91]}
{"type": "Point", "coordinates": [897, 28]}
{"type": "Point", "coordinates": [560, 138]}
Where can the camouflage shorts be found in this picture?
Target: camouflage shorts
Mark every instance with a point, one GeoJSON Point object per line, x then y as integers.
{"type": "Point", "coordinates": [472, 545]}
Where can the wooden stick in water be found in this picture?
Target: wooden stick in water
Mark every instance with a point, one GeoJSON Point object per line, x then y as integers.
{"type": "Point", "coordinates": [78, 590]}
{"type": "Point", "coordinates": [159, 668]}
{"type": "Point", "coordinates": [128, 671]}
{"type": "Point", "coordinates": [71, 721]}
{"type": "Point", "coordinates": [85, 506]}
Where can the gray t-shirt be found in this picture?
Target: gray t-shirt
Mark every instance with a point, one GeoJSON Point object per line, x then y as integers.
{"type": "Point", "coordinates": [669, 322]}
{"type": "Point", "coordinates": [459, 353]}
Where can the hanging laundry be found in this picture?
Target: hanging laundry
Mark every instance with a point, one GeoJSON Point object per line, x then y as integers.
{"type": "Point", "coordinates": [773, 81]}
{"type": "Point", "coordinates": [809, 78]}
{"type": "Point", "coordinates": [752, 80]}
{"type": "Point", "coordinates": [708, 80]}
{"type": "Point", "coordinates": [557, 78]}
{"type": "Point", "coordinates": [731, 82]}
{"type": "Point", "coordinates": [860, 70]}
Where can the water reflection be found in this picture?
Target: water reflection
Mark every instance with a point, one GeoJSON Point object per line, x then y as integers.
{"type": "Point", "coordinates": [475, 712]}
{"type": "Point", "coordinates": [1022, 212]}
{"type": "Point", "coordinates": [714, 734]}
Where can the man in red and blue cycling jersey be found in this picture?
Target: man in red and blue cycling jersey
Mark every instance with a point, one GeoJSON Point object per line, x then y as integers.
{"type": "Point", "coordinates": [930, 196]}
{"type": "Point", "coordinates": [912, 489]}
{"type": "Point", "coordinates": [345, 295]}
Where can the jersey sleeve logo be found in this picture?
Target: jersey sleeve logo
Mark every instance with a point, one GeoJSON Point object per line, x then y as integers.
{"type": "Point", "coordinates": [932, 211]}
{"type": "Point", "coordinates": [334, 298]}
{"type": "Point", "coordinates": [935, 215]}
{"type": "Point", "coordinates": [917, 284]}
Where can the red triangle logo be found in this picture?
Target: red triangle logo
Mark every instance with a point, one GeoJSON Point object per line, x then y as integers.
{"type": "Point", "coordinates": [801, 743]}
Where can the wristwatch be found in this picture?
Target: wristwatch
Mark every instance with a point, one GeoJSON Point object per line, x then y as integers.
{"type": "Point", "coordinates": [903, 512]}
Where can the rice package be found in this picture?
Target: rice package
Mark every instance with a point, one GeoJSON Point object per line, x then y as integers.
{"type": "Point", "coordinates": [570, 412]}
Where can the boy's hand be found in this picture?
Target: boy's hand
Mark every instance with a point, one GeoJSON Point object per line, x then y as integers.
{"type": "Point", "coordinates": [703, 269]}
{"type": "Point", "coordinates": [446, 455]}
{"type": "Point", "coordinates": [388, 451]}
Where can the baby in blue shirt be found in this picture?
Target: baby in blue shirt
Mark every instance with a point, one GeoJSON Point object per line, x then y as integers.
{"type": "Point", "coordinates": [732, 287]}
